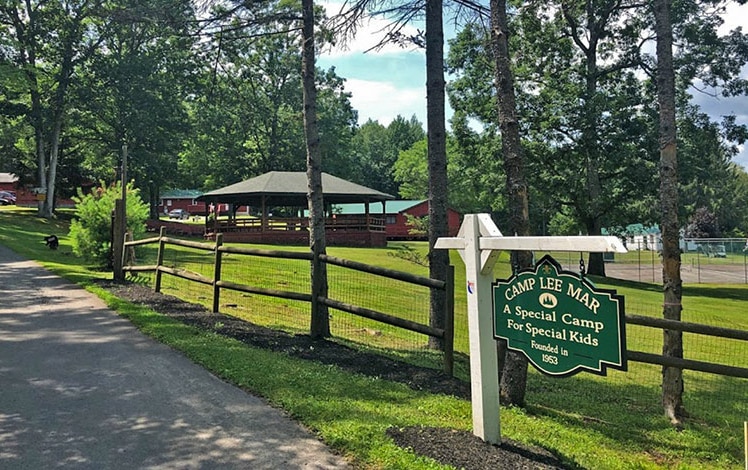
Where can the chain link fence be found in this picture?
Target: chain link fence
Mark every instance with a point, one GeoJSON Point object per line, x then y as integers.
{"type": "Point", "coordinates": [703, 261]}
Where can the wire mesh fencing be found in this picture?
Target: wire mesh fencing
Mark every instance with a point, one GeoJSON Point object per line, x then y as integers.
{"type": "Point", "coordinates": [716, 403]}
{"type": "Point", "coordinates": [272, 289]}
{"type": "Point", "coordinates": [703, 261]}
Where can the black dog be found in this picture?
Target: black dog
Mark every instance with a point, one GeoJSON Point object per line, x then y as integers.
{"type": "Point", "coordinates": [52, 242]}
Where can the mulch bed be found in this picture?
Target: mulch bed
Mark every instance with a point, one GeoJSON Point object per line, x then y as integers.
{"type": "Point", "coordinates": [458, 448]}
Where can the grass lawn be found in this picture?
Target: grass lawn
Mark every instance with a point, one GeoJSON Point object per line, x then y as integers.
{"type": "Point", "coordinates": [612, 422]}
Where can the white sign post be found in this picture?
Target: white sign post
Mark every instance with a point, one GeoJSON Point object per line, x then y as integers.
{"type": "Point", "coordinates": [479, 243]}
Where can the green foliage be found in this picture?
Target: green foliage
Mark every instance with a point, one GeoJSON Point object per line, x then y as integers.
{"type": "Point", "coordinates": [408, 253]}
{"type": "Point", "coordinates": [90, 231]}
{"type": "Point", "coordinates": [417, 225]}
{"type": "Point", "coordinates": [472, 173]}
{"type": "Point", "coordinates": [411, 171]}
{"type": "Point", "coordinates": [611, 422]}
{"type": "Point", "coordinates": [586, 111]}
{"type": "Point", "coordinates": [377, 148]}
{"type": "Point", "coordinates": [563, 224]}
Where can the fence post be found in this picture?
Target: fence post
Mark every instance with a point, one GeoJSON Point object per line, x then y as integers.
{"type": "Point", "coordinates": [118, 239]}
{"type": "Point", "coordinates": [160, 258]}
{"type": "Point", "coordinates": [128, 250]}
{"type": "Point", "coordinates": [449, 322]}
{"type": "Point", "coordinates": [217, 273]}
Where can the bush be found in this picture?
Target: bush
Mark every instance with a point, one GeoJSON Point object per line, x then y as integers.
{"type": "Point", "coordinates": [90, 231]}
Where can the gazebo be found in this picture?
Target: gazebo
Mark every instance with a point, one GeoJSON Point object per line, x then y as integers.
{"type": "Point", "coordinates": [286, 191]}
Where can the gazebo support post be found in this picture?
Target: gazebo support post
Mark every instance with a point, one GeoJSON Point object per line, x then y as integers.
{"type": "Point", "coordinates": [264, 221]}
{"type": "Point", "coordinates": [384, 215]}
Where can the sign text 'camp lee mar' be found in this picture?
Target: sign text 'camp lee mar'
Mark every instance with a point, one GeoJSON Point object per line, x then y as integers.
{"type": "Point", "coordinates": [560, 321]}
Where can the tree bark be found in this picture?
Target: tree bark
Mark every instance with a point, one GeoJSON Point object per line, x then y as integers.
{"type": "Point", "coordinates": [25, 34]}
{"type": "Point", "coordinates": [320, 323]}
{"type": "Point", "coordinates": [437, 160]}
{"type": "Point", "coordinates": [672, 378]}
{"type": "Point", "coordinates": [590, 147]}
{"type": "Point", "coordinates": [514, 371]}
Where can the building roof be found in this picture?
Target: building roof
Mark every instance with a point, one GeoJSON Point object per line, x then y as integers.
{"type": "Point", "coordinates": [392, 207]}
{"type": "Point", "coordinates": [286, 188]}
{"type": "Point", "coordinates": [8, 178]}
{"type": "Point", "coordinates": [181, 194]}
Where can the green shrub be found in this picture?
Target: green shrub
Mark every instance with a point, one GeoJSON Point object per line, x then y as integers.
{"type": "Point", "coordinates": [90, 231]}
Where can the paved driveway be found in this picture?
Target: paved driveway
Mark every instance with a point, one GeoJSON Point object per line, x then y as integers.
{"type": "Point", "coordinates": [80, 387]}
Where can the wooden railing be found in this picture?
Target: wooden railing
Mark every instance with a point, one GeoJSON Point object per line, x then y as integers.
{"type": "Point", "coordinates": [445, 334]}
{"type": "Point", "coordinates": [686, 327]}
{"type": "Point", "coordinates": [345, 223]}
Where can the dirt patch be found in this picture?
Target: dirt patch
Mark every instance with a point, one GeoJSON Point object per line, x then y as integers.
{"type": "Point", "coordinates": [460, 449]}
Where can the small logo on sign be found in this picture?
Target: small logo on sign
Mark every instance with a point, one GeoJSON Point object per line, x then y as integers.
{"type": "Point", "coordinates": [548, 300]}
{"type": "Point", "coordinates": [471, 287]}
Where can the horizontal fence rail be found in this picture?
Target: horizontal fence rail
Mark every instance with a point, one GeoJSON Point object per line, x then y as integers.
{"type": "Point", "coordinates": [687, 327]}
{"type": "Point", "coordinates": [446, 334]}
{"type": "Point", "coordinates": [390, 273]}
{"type": "Point", "coordinates": [265, 291]}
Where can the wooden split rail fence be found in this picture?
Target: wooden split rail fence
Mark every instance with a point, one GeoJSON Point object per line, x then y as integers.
{"type": "Point", "coordinates": [446, 334]}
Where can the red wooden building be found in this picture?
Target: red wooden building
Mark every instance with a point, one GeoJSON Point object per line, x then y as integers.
{"type": "Point", "coordinates": [397, 223]}
{"type": "Point", "coordinates": [181, 199]}
{"type": "Point", "coordinates": [26, 196]}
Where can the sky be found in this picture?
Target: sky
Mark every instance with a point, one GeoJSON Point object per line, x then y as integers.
{"type": "Point", "coordinates": [383, 83]}
{"type": "Point", "coordinates": [392, 81]}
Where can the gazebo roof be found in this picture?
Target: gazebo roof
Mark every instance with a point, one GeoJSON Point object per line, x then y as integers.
{"type": "Point", "coordinates": [287, 188]}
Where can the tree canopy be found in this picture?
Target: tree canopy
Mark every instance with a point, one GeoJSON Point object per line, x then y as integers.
{"type": "Point", "coordinates": [211, 94]}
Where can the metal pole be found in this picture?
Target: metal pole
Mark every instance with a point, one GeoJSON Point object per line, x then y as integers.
{"type": "Point", "coordinates": [639, 259]}
{"type": "Point", "coordinates": [654, 271]}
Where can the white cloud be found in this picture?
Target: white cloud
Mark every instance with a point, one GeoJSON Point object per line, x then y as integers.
{"type": "Point", "coordinates": [735, 16]}
{"type": "Point", "coordinates": [384, 101]}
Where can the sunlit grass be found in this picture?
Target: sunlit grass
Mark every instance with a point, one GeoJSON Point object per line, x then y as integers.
{"type": "Point", "coordinates": [612, 422]}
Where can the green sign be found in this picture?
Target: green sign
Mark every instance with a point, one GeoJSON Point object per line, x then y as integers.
{"type": "Point", "coordinates": [560, 321]}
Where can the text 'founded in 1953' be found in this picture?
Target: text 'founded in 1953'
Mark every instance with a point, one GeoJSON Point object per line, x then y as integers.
{"type": "Point", "coordinates": [560, 321]}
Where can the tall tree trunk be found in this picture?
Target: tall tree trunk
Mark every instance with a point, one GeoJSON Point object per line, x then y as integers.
{"type": "Point", "coordinates": [514, 372]}
{"type": "Point", "coordinates": [590, 147]}
{"type": "Point", "coordinates": [672, 378]}
{"type": "Point", "coordinates": [37, 122]}
{"type": "Point", "coordinates": [47, 169]}
{"type": "Point", "coordinates": [437, 160]}
{"type": "Point", "coordinates": [28, 60]}
{"type": "Point", "coordinates": [48, 206]}
{"type": "Point", "coordinates": [320, 324]}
